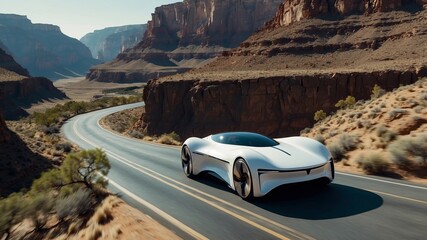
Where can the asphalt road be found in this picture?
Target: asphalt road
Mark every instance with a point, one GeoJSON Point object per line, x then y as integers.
{"type": "Point", "coordinates": [149, 177]}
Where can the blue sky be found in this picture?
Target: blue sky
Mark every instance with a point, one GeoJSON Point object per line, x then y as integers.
{"type": "Point", "coordinates": [78, 17]}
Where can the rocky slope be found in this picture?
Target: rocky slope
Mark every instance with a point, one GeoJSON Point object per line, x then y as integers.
{"type": "Point", "coordinates": [107, 43]}
{"type": "Point", "coordinates": [386, 130]}
{"type": "Point", "coordinates": [7, 62]}
{"type": "Point", "coordinates": [186, 35]}
{"type": "Point", "coordinates": [275, 81]}
{"type": "Point", "coordinates": [43, 49]}
{"type": "Point", "coordinates": [19, 90]}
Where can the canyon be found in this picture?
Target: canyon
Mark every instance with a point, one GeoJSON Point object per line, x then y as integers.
{"type": "Point", "coordinates": [107, 43]}
{"type": "Point", "coordinates": [276, 80]}
{"type": "Point", "coordinates": [43, 49]}
{"type": "Point", "coordinates": [186, 35]}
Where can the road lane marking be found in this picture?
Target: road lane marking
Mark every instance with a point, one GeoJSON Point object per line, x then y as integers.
{"type": "Point", "coordinates": [158, 211]}
{"type": "Point", "coordinates": [252, 223]}
{"type": "Point", "coordinates": [150, 206]}
{"type": "Point", "coordinates": [384, 181]}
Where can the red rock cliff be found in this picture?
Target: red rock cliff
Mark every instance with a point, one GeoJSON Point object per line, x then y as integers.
{"type": "Point", "coordinates": [295, 10]}
{"type": "Point", "coordinates": [275, 106]}
{"type": "Point", "coordinates": [184, 35]}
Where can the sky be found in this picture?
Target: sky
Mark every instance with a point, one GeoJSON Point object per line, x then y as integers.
{"type": "Point", "coordinates": [79, 17]}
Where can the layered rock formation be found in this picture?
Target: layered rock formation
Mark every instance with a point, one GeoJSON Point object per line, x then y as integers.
{"type": "Point", "coordinates": [43, 49]}
{"type": "Point", "coordinates": [107, 43]}
{"type": "Point", "coordinates": [275, 81]}
{"type": "Point", "coordinates": [295, 10]}
{"type": "Point", "coordinates": [274, 105]}
{"type": "Point", "coordinates": [19, 90]}
{"type": "Point", "coordinates": [186, 35]}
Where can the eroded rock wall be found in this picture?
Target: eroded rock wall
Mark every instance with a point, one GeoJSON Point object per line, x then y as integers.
{"type": "Point", "coordinates": [291, 11]}
{"type": "Point", "coordinates": [275, 106]}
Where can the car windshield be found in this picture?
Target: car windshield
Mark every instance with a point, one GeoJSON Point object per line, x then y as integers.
{"type": "Point", "coordinates": [244, 139]}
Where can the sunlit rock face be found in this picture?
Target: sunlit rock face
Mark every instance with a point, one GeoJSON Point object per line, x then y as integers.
{"type": "Point", "coordinates": [185, 35]}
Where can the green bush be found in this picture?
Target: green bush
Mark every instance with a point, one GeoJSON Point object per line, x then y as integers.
{"type": "Point", "coordinates": [319, 115]}
{"type": "Point", "coordinates": [350, 101]}
{"type": "Point", "coordinates": [11, 212]}
{"type": "Point", "coordinates": [373, 163]}
{"type": "Point", "coordinates": [377, 92]}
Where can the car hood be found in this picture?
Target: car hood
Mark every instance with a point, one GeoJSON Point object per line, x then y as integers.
{"type": "Point", "coordinates": [292, 157]}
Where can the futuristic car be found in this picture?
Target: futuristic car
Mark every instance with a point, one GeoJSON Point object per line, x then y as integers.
{"type": "Point", "coordinates": [253, 164]}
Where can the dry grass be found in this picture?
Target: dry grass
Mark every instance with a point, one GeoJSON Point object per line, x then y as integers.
{"type": "Point", "coordinates": [380, 123]}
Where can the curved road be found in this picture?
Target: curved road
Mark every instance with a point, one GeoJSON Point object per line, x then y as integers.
{"type": "Point", "coordinates": [149, 177]}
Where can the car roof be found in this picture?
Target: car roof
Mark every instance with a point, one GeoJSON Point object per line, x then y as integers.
{"type": "Point", "coordinates": [244, 139]}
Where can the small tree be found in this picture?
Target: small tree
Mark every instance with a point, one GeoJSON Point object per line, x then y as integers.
{"type": "Point", "coordinates": [319, 115]}
{"type": "Point", "coordinates": [82, 169]}
{"type": "Point", "coordinates": [377, 92]}
{"type": "Point", "coordinates": [350, 101]}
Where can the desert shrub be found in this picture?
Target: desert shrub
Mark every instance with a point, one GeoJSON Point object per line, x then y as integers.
{"type": "Point", "coordinates": [11, 212]}
{"type": "Point", "coordinates": [344, 143]}
{"type": "Point", "coordinates": [385, 134]}
{"type": "Point", "coordinates": [409, 152]}
{"type": "Point", "coordinates": [170, 139]}
{"type": "Point", "coordinates": [305, 131]}
{"type": "Point", "coordinates": [38, 210]}
{"type": "Point", "coordinates": [397, 113]}
{"type": "Point", "coordinates": [319, 115]}
{"type": "Point", "coordinates": [373, 163]}
{"type": "Point", "coordinates": [76, 204]}
{"type": "Point", "coordinates": [418, 109]}
{"type": "Point", "coordinates": [320, 138]}
{"type": "Point", "coordinates": [350, 101]}
{"type": "Point", "coordinates": [64, 147]}
{"type": "Point", "coordinates": [135, 134]}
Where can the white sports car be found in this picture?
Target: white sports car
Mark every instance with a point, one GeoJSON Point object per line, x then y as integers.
{"type": "Point", "coordinates": [253, 164]}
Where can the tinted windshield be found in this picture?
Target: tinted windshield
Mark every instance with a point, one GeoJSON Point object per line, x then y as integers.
{"type": "Point", "coordinates": [244, 139]}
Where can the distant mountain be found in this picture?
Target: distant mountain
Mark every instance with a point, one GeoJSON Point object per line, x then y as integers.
{"type": "Point", "coordinates": [107, 43]}
{"type": "Point", "coordinates": [43, 49]}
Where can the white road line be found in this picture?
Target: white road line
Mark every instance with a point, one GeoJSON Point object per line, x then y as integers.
{"type": "Point", "coordinates": [383, 181]}
{"type": "Point", "coordinates": [158, 211]}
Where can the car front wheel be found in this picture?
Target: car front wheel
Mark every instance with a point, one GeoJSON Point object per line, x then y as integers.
{"type": "Point", "coordinates": [187, 162]}
{"type": "Point", "coordinates": [242, 179]}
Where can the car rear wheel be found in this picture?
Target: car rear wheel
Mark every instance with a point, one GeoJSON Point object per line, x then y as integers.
{"type": "Point", "coordinates": [187, 162]}
{"type": "Point", "coordinates": [242, 179]}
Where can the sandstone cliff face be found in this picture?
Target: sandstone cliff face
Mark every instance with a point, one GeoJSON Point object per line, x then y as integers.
{"type": "Point", "coordinates": [43, 49]}
{"type": "Point", "coordinates": [275, 106]}
{"type": "Point", "coordinates": [279, 77]}
{"type": "Point", "coordinates": [186, 35]}
{"type": "Point", "coordinates": [107, 43]}
{"type": "Point", "coordinates": [295, 10]}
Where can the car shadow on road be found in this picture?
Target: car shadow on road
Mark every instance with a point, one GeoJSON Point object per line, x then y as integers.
{"type": "Point", "coordinates": [314, 202]}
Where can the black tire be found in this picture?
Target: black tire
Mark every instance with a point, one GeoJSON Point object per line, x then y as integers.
{"type": "Point", "coordinates": [242, 179]}
{"type": "Point", "coordinates": [187, 162]}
